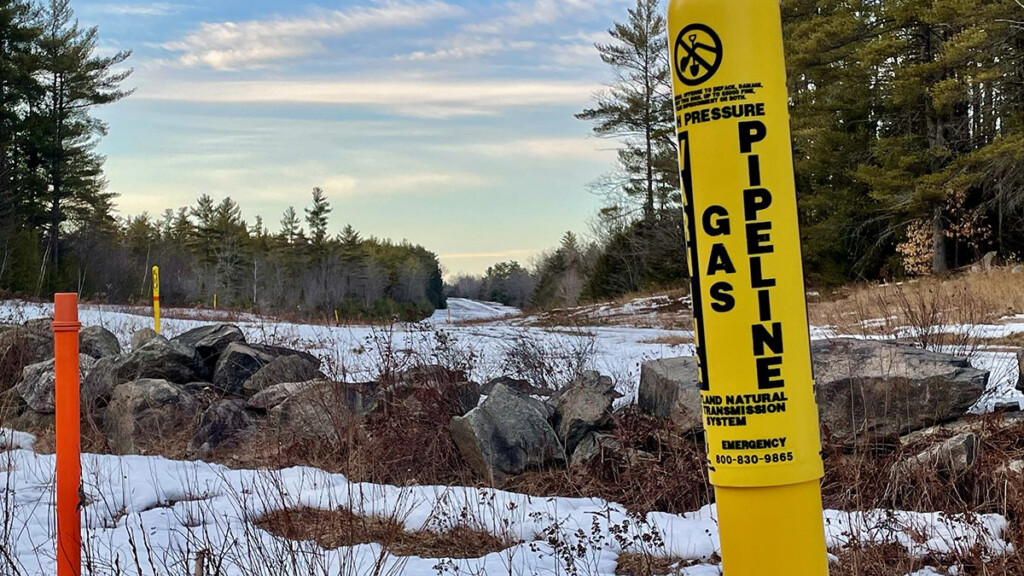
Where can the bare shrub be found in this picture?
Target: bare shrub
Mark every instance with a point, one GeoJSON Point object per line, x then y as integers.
{"type": "Point", "coordinates": [548, 362]}
{"type": "Point", "coordinates": [655, 469]}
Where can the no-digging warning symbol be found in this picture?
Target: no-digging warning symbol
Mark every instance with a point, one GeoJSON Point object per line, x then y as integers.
{"type": "Point", "coordinates": [698, 54]}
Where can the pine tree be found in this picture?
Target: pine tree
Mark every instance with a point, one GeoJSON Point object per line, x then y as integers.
{"type": "Point", "coordinates": [316, 219]}
{"type": "Point", "coordinates": [75, 81]}
{"type": "Point", "coordinates": [181, 229]}
{"type": "Point", "coordinates": [204, 232]}
{"type": "Point", "coordinates": [637, 108]}
{"type": "Point", "coordinates": [349, 237]}
{"type": "Point", "coordinates": [291, 228]}
{"type": "Point", "coordinates": [19, 90]}
{"type": "Point", "coordinates": [831, 70]}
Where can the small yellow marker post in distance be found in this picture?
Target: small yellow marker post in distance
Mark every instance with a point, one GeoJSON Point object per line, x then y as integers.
{"type": "Point", "coordinates": [337, 318]}
{"type": "Point", "coordinates": [749, 301]}
{"type": "Point", "coordinates": [156, 299]}
{"type": "Point", "coordinates": [214, 300]}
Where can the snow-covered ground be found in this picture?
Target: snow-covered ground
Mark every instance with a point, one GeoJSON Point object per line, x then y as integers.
{"type": "Point", "coordinates": [151, 514]}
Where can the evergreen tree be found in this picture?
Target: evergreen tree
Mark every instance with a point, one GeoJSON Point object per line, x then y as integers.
{"type": "Point", "coordinates": [19, 90]}
{"type": "Point", "coordinates": [204, 231]}
{"type": "Point", "coordinates": [291, 228]}
{"type": "Point", "coordinates": [75, 81]}
{"type": "Point", "coordinates": [832, 71]}
{"type": "Point", "coordinates": [637, 108]}
{"type": "Point", "coordinates": [316, 219]}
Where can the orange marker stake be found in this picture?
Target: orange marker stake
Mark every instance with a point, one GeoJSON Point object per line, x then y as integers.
{"type": "Point", "coordinates": [69, 463]}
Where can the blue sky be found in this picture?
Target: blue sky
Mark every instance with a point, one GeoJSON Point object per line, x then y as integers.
{"type": "Point", "coordinates": [448, 123]}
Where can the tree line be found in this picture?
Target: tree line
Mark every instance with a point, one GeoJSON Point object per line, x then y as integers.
{"type": "Point", "coordinates": [208, 249]}
{"type": "Point", "coordinates": [908, 134]}
{"type": "Point", "coordinates": [59, 230]}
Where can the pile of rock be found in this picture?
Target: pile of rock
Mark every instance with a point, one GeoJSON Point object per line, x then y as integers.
{"type": "Point", "coordinates": [213, 389]}
{"type": "Point", "coordinates": [158, 388]}
{"type": "Point", "coordinates": [512, 432]}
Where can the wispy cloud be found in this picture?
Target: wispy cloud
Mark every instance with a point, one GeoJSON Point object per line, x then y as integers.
{"type": "Point", "coordinates": [549, 149]}
{"type": "Point", "coordinates": [257, 43]}
{"type": "Point", "coordinates": [528, 13]}
{"type": "Point", "coordinates": [464, 48]}
{"type": "Point", "coordinates": [148, 9]}
{"type": "Point", "coordinates": [408, 98]}
{"type": "Point", "coordinates": [412, 184]}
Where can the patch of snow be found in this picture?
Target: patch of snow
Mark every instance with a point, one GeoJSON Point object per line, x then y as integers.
{"type": "Point", "coordinates": [14, 440]}
{"type": "Point", "coordinates": [172, 509]}
{"type": "Point", "coordinates": [463, 310]}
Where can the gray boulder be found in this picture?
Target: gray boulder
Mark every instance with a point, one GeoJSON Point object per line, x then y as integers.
{"type": "Point", "coordinates": [670, 390]}
{"type": "Point", "coordinates": [273, 396]}
{"type": "Point", "coordinates": [516, 384]}
{"type": "Point", "coordinates": [594, 446]}
{"type": "Point", "coordinates": [865, 389]}
{"type": "Point", "coordinates": [281, 370]}
{"type": "Point", "coordinates": [145, 412]}
{"type": "Point", "coordinates": [357, 398]}
{"type": "Point", "coordinates": [97, 341]}
{"type": "Point", "coordinates": [319, 411]}
{"type": "Point", "coordinates": [584, 406]}
{"type": "Point", "coordinates": [224, 425]}
{"type": "Point", "coordinates": [868, 389]}
{"type": "Point", "coordinates": [414, 398]}
{"type": "Point", "coordinates": [39, 324]}
{"type": "Point", "coordinates": [38, 385]}
{"type": "Point", "coordinates": [953, 456]}
{"type": "Point", "coordinates": [158, 359]}
{"type": "Point", "coordinates": [161, 359]}
{"type": "Point", "coordinates": [142, 337]}
{"type": "Point", "coordinates": [237, 363]}
{"type": "Point", "coordinates": [1020, 369]}
{"type": "Point", "coordinates": [210, 341]}
{"type": "Point", "coordinates": [276, 351]}
{"type": "Point", "coordinates": [507, 435]}
{"type": "Point", "coordinates": [599, 447]}
{"type": "Point", "coordinates": [20, 347]}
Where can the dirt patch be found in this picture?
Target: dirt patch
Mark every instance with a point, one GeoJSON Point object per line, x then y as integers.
{"type": "Point", "coordinates": [336, 528]}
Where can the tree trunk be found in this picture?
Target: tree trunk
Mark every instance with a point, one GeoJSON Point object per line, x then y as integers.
{"type": "Point", "coordinates": [939, 264]}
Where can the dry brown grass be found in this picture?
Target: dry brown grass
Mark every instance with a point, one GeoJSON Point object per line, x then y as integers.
{"type": "Point", "coordinates": [881, 560]}
{"type": "Point", "coordinates": [657, 470]}
{"type": "Point", "coordinates": [893, 560]}
{"type": "Point", "coordinates": [669, 340]}
{"type": "Point", "coordinates": [340, 527]}
{"type": "Point", "coordinates": [404, 441]}
{"type": "Point", "coordinates": [670, 311]}
{"type": "Point", "coordinates": [922, 303]}
{"type": "Point", "coordinates": [865, 481]}
{"type": "Point", "coordinates": [634, 564]}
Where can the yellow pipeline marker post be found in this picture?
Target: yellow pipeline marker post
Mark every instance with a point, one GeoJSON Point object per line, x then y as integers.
{"type": "Point", "coordinates": [214, 300]}
{"type": "Point", "coordinates": [750, 314]}
{"type": "Point", "coordinates": [156, 299]}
